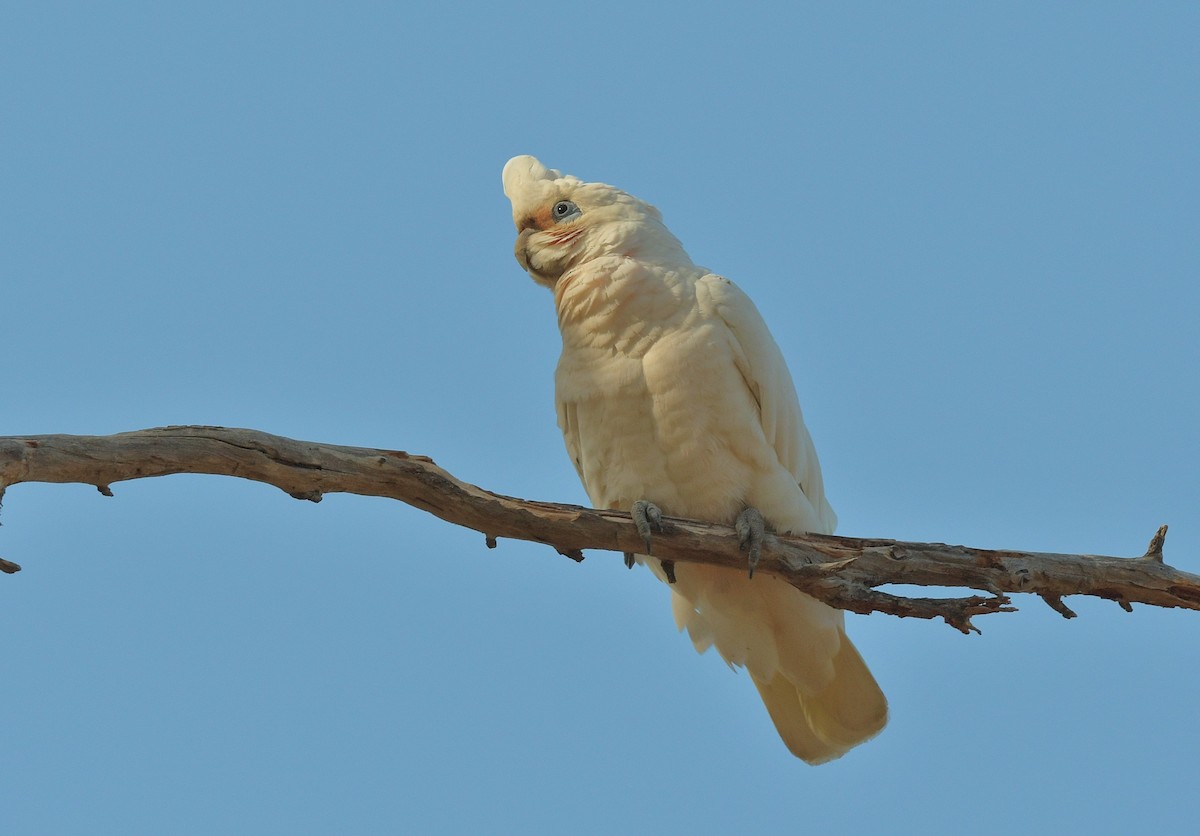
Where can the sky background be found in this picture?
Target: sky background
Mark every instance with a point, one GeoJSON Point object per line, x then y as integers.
{"type": "Point", "coordinates": [971, 227]}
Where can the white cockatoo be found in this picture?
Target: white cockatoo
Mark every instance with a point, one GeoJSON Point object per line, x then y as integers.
{"type": "Point", "coordinates": [673, 398]}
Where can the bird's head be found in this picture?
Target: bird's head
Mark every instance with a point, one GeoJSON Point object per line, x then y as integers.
{"type": "Point", "coordinates": [563, 222]}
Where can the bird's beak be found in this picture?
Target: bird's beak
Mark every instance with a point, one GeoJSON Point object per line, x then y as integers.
{"type": "Point", "coordinates": [521, 249]}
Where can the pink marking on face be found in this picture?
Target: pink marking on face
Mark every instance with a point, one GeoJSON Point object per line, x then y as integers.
{"type": "Point", "coordinates": [566, 236]}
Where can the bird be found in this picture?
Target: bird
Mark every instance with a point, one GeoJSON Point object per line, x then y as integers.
{"type": "Point", "coordinates": [673, 398]}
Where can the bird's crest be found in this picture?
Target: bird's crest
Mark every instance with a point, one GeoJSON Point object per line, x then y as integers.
{"type": "Point", "coordinates": [529, 184]}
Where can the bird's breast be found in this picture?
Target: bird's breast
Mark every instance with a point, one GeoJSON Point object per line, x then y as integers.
{"type": "Point", "coordinates": [666, 418]}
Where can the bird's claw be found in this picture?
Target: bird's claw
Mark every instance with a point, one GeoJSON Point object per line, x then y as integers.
{"type": "Point", "coordinates": [750, 530]}
{"type": "Point", "coordinates": [668, 567]}
{"type": "Point", "coordinates": [648, 519]}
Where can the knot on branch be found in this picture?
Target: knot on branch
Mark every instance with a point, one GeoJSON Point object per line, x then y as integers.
{"type": "Point", "coordinates": [574, 554]}
{"type": "Point", "coordinates": [1154, 551]}
{"type": "Point", "coordinates": [1055, 602]}
{"type": "Point", "coordinates": [961, 610]}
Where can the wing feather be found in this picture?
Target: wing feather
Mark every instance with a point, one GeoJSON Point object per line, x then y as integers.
{"type": "Point", "coordinates": [762, 367]}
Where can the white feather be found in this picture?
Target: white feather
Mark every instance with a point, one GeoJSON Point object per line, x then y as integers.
{"type": "Point", "coordinates": [671, 389]}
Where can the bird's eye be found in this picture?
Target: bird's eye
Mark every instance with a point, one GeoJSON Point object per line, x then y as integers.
{"type": "Point", "coordinates": [564, 209]}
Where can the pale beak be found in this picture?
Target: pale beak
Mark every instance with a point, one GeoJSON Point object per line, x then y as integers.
{"type": "Point", "coordinates": [521, 249]}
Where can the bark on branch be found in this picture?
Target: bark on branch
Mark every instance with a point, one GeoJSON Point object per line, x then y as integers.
{"type": "Point", "coordinates": [842, 571]}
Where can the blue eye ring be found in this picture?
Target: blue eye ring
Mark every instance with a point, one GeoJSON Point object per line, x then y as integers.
{"type": "Point", "coordinates": [564, 209]}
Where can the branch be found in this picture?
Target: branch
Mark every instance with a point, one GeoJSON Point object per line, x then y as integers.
{"type": "Point", "coordinates": [842, 571]}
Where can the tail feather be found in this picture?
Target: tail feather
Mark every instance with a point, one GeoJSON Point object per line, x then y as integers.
{"type": "Point", "coordinates": [791, 721]}
{"type": "Point", "coordinates": [816, 687]}
{"type": "Point", "coordinates": [818, 727]}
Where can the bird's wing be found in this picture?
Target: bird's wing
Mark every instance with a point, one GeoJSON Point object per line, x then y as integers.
{"type": "Point", "coordinates": [765, 372]}
{"type": "Point", "coordinates": [569, 424]}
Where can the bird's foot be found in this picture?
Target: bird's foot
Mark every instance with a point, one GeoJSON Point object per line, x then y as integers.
{"type": "Point", "coordinates": [648, 519]}
{"type": "Point", "coordinates": [750, 530]}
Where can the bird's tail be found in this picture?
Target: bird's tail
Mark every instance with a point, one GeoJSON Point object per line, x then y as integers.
{"type": "Point", "coordinates": [817, 688]}
{"type": "Point", "coordinates": [823, 725]}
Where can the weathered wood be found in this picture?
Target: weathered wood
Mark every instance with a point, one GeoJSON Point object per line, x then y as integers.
{"type": "Point", "coordinates": [843, 571]}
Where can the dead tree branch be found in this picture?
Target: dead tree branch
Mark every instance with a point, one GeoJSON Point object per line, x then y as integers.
{"type": "Point", "coordinates": [842, 571]}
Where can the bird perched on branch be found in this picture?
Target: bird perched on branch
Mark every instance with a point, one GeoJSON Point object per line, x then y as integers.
{"type": "Point", "coordinates": [673, 398]}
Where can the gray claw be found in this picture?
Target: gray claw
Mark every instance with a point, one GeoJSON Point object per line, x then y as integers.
{"type": "Point", "coordinates": [629, 560]}
{"type": "Point", "coordinates": [668, 567]}
{"type": "Point", "coordinates": [751, 529]}
{"type": "Point", "coordinates": [648, 519]}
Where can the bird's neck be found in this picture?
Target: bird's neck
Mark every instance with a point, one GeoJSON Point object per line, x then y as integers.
{"type": "Point", "coordinates": [622, 303]}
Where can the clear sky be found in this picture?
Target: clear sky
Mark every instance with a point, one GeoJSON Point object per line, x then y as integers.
{"type": "Point", "coordinates": [973, 229]}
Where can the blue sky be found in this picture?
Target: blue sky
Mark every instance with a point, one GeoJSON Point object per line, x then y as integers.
{"type": "Point", "coordinates": [972, 229]}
